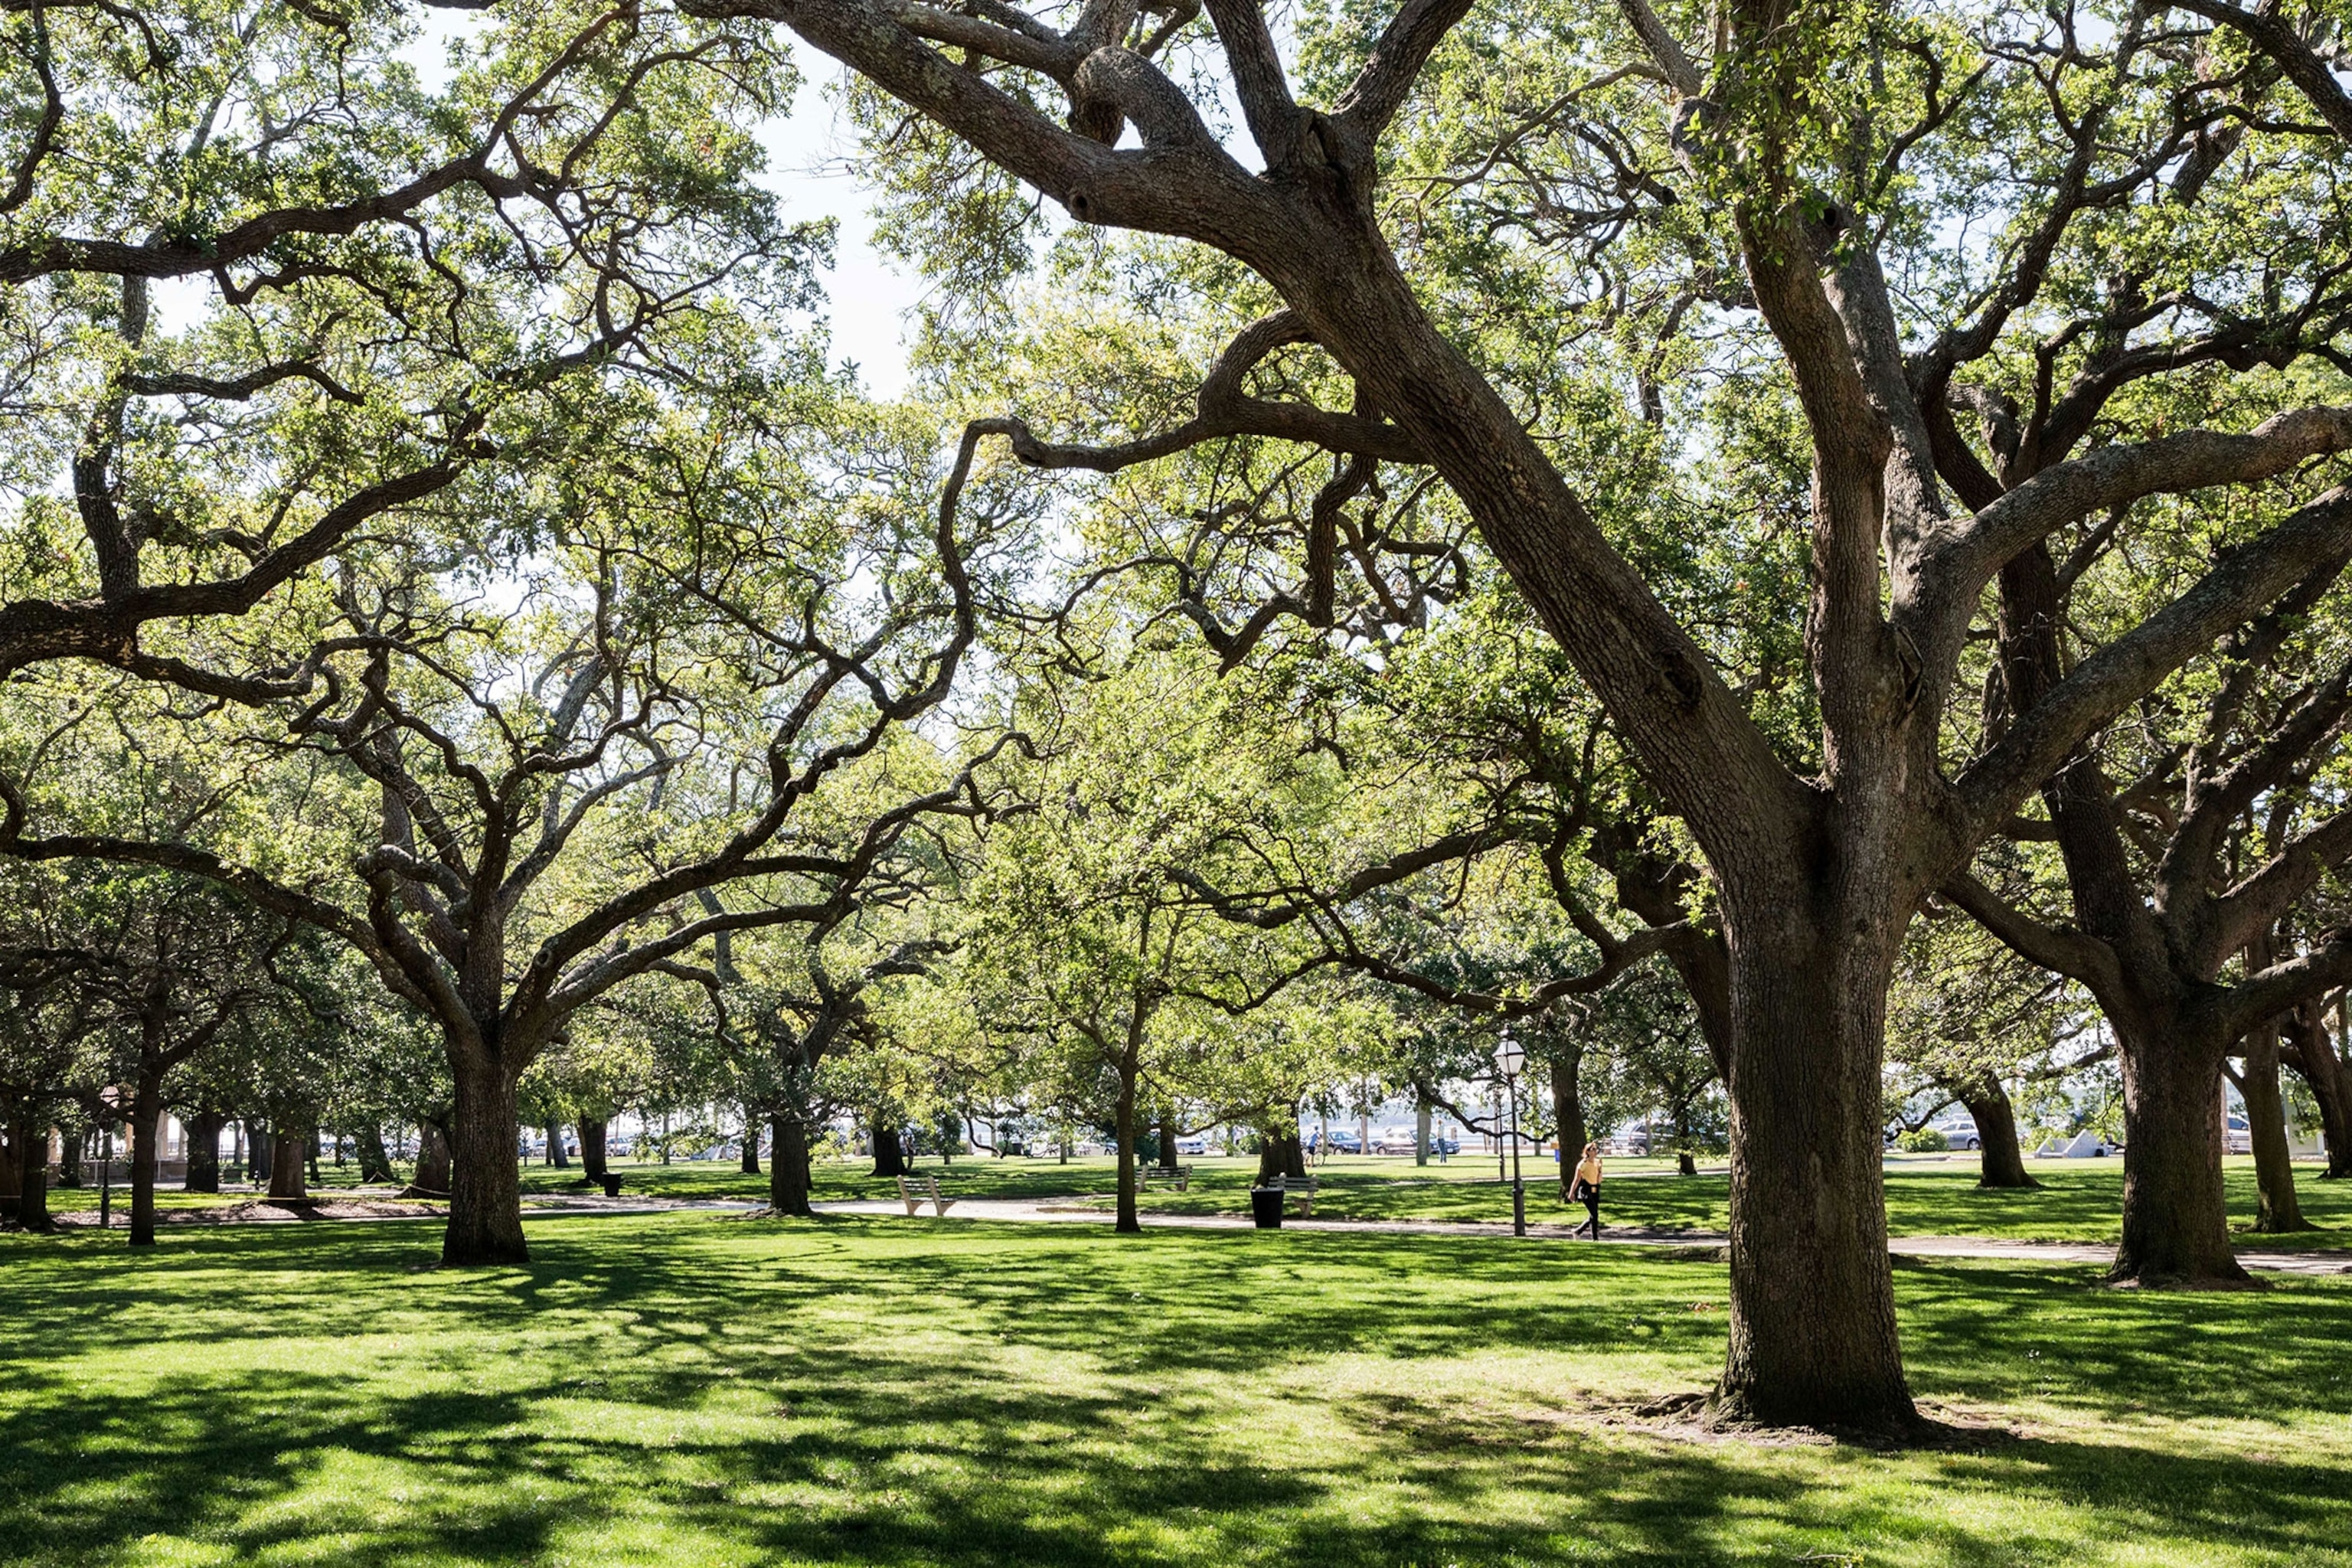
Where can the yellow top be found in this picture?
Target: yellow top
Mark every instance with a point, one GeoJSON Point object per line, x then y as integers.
{"type": "Point", "coordinates": [1589, 1169]}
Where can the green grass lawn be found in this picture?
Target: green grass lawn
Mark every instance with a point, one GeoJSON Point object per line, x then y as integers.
{"type": "Point", "coordinates": [699, 1389]}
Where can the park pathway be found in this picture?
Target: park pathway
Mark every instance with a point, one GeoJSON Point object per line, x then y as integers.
{"type": "Point", "coordinates": [1062, 1211]}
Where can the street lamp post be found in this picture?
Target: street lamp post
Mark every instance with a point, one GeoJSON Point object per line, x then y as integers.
{"type": "Point", "coordinates": [1508, 1059]}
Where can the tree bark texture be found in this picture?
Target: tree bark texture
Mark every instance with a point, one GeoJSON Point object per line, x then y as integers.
{"type": "Point", "coordinates": [257, 1147]}
{"type": "Point", "coordinates": [788, 1167]}
{"type": "Point", "coordinates": [375, 1160]}
{"type": "Point", "coordinates": [555, 1155]}
{"type": "Point", "coordinates": [485, 1175]}
{"type": "Point", "coordinates": [2000, 1161]}
{"type": "Point", "coordinates": [2313, 1055]}
{"type": "Point", "coordinates": [1568, 1114]}
{"type": "Point", "coordinates": [146, 1114]}
{"type": "Point", "coordinates": [1167, 1138]}
{"type": "Point", "coordinates": [286, 1164]}
{"type": "Point", "coordinates": [1280, 1153]}
{"type": "Point", "coordinates": [592, 1148]}
{"type": "Point", "coordinates": [432, 1173]}
{"type": "Point", "coordinates": [1123, 1116]}
{"type": "Point", "coordinates": [2176, 1216]}
{"type": "Point", "coordinates": [2277, 1210]}
{"type": "Point", "coordinates": [30, 1142]}
{"type": "Point", "coordinates": [889, 1159]}
{"type": "Point", "coordinates": [204, 1152]}
{"type": "Point", "coordinates": [1814, 1339]}
{"type": "Point", "coordinates": [750, 1142]}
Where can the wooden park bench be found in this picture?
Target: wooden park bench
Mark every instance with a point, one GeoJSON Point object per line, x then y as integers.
{"type": "Point", "coordinates": [1177, 1176]}
{"type": "Point", "coordinates": [1300, 1190]}
{"type": "Point", "coordinates": [917, 1191]}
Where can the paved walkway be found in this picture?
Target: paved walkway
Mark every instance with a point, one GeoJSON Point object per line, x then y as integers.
{"type": "Point", "coordinates": [1062, 1211]}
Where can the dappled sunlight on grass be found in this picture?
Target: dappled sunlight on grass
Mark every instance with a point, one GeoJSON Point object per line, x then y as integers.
{"type": "Point", "coordinates": [689, 1389]}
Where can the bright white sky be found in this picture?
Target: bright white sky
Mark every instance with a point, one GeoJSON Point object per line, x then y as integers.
{"type": "Point", "coordinates": [869, 298]}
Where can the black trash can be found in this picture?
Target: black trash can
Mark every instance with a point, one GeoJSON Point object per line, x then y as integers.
{"type": "Point", "coordinates": [1266, 1207]}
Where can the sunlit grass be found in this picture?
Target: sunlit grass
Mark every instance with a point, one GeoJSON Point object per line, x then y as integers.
{"type": "Point", "coordinates": [699, 1389]}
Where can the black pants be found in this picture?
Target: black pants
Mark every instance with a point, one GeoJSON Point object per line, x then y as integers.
{"type": "Point", "coordinates": [1589, 1193]}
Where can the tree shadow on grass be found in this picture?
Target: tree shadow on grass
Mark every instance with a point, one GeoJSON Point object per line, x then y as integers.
{"type": "Point", "coordinates": [876, 1392]}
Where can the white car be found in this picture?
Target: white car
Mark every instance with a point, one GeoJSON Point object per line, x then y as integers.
{"type": "Point", "coordinates": [1395, 1140]}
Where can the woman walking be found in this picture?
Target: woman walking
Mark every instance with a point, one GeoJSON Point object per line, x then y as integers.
{"type": "Point", "coordinates": [1587, 1190]}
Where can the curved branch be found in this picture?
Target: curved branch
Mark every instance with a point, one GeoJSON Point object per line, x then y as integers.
{"type": "Point", "coordinates": [2274, 37]}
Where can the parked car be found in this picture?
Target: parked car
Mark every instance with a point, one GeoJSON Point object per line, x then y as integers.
{"type": "Point", "coordinates": [1395, 1140]}
{"type": "Point", "coordinates": [1343, 1140]}
{"type": "Point", "coordinates": [1196, 1144]}
{"type": "Point", "coordinates": [2238, 1138]}
{"type": "Point", "coordinates": [1960, 1131]}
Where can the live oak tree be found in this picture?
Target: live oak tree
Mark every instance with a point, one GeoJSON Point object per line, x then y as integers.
{"type": "Point", "coordinates": [1085, 939]}
{"type": "Point", "coordinates": [2189, 837]}
{"type": "Point", "coordinates": [787, 1009]}
{"type": "Point", "coordinates": [164, 969]}
{"type": "Point", "coordinates": [1967, 1017]}
{"type": "Point", "coordinates": [338, 234]}
{"type": "Point", "coordinates": [2314, 1051]}
{"type": "Point", "coordinates": [722, 621]}
{"type": "Point", "coordinates": [1793, 163]}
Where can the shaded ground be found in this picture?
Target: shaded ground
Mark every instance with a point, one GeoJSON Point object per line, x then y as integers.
{"type": "Point", "coordinates": [685, 1390]}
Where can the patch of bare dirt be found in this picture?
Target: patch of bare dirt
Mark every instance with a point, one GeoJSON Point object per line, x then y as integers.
{"type": "Point", "coordinates": [1687, 1417]}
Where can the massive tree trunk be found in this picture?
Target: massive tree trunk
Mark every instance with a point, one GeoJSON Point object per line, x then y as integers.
{"type": "Point", "coordinates": [485, 1171]}
{"type": "Point", "coordinates": [2176, 1216]}
{"type": "Point", "coordinates": [750, 1142]}
{"type": "Point", "coordinates": [2000, 1161]}
{"type": "Point", "coordinates": [286, 1164]}
{"type": "Point", "coordinates": [2313, 1055]}
{"type": "Point", "coordinates": [1280, 1153]}
{"type": "Point", "coordinates": [889, 1159]}
{"type": "Point", "coordinates": [375, 1160]}
{"type": "Point", "coordinates": [1568, 1112]}
{"type": "Point", "coordinates": [146, 1116]}
{"type": "Point", "coordinates": [592, 1148]}
{"type": "Point", "coordinates": [204, 1152]}
{"type": "Point", "coordinates": [555, 1155]}
{"type": "Point", "coordinates": [788, 1166]}
{"type": "Point", "coordinates": [2277, 1210]}
{"type": "Point", "coordinates": [432, 1159]}
{"type": "Point", "coordinates": [1814, 1339]}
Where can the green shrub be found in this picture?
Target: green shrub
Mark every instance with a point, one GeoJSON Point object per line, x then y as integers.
{"type": "Point", "coordinates": [1926, 1141]}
